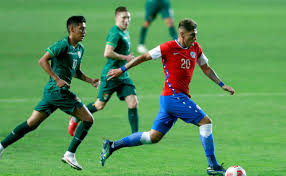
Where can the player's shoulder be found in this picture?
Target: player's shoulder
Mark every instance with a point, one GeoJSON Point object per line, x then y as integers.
{"type": "Point", "coordinates": [197, 45]}
{"type": "Point", "coordinates": [114, 30]}
{"type": "Point", "coordinates": [62, 43]}
{"type": "Point", "coordinates": [171, 43]}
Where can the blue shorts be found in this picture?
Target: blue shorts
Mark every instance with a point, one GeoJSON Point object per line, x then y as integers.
{"type": "Point", "coordinates": [176, 106]}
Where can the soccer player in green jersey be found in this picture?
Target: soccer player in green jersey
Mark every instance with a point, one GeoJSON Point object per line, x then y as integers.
{"type": "Point", "coordinates": [117, 52]}
{"type": "Point", "coordinates": [65, 56]}
{"type": "Point", "coordinates": [152, 8]}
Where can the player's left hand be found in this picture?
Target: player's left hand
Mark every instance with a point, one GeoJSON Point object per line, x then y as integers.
{"type": "Point", "coordinates": [229, 89]}
{"type": "Point", "coordinates": [113, 73]}
{"type": "Point", "coordinates": [95, 82]}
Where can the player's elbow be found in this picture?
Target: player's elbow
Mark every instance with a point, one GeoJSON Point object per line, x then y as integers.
{"type": "Point", "coordinates": [41, 61]}
{"type": "Point", "coordinates": [106, 54]}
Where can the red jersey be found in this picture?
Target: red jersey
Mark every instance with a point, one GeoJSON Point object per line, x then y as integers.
{"type": "Point", "coordinates": [178, 64]}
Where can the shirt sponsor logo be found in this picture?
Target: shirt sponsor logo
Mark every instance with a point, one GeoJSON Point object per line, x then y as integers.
{"type": "Point", "coordinates": [175, 53]}
{"type": "Point", "coordinates": [71, 53]}
{"type": "Point", "coordinates": [193, 54]}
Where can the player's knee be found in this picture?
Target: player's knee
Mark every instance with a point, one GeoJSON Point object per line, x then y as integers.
{"type": "Point", "coordinates": [133, 105]}
{"type": "Point", "coordinates": [99, 106]}
{"type": "Point", "coordinates": [33, 125]}
{"type": "Point", "coordinates": [146, 24]}
{"type": "Point", "coordinates": [90, 119]}
{"type": "Point", "coordinates": [205, 120]}
{"type": "Point", "coordinates": [155, 137]}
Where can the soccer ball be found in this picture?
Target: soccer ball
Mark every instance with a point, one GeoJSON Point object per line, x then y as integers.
{"type": "Point", "coordinates": [235, 171]}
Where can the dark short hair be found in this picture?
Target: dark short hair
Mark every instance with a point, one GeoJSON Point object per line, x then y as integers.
{"type": "Point", "coordinates": [120, 9]}
{"type": "Point", "coordinates": [75, 20]}
{"type": "Point", "coordinates": [188, 24]}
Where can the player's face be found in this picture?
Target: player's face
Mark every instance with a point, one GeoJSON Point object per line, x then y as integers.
{"type": "Point", "coordinates": [78, 31]}
{"type": "Point", "coordinates": [122, 20]}
{"type": "Point", "coordinates": [189, 37]}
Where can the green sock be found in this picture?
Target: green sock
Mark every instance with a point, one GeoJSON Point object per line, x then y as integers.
{"type": "Point", "coordinates": [16, 134]}
{"type": "Point", "coordinates": [133, 119]}
{"type": "Point", "coordinates": [80, 134]}
{"type": "Point", "coordinates": [173, 33]}
{"type": "Point", "coordinates": [143, 35]}
{"type": "Point", "coordinates": [91, 107]}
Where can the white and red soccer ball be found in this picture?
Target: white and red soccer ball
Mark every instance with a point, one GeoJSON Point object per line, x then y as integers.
{"type": "Point", "coordinates": [235, 171]}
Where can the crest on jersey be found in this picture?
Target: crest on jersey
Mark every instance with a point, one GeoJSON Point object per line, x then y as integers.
{"type": "Point", "coordinates": [193, 54]}
{"type": "Point", "coordinates": [79, 54]}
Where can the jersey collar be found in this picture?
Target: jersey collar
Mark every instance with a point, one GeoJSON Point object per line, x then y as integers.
{"type": "Point", "coordinates": [182, 46]}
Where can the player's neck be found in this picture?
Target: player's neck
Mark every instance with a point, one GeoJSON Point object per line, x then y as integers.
{"type": "Point", "coordinates": [72, 41]}
{"type": "Point", "coordinates": [121, 28]}
{"type": "Point", "coordinates": [182, 43]}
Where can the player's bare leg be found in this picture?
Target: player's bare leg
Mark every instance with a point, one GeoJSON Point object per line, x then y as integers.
{"type": "Point", "coordinates": [87, 120]}
{"type": "Point", "coordinates": [92, 107]}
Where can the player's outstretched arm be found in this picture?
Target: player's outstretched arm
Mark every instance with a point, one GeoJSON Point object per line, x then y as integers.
{"type": "Point", "coordinates": [44, 62]}
{"type": "Point", "coordinates": [110, 53]}
{"type": "Point", "coordinates": [209, 72]}
{"type": "Point", "coordinates": [113, 73]}
{"type": "Point", "coordinates": [80, 75]}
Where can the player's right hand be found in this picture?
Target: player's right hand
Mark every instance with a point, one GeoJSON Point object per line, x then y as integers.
{"type": "Point", "coordinates": [114, 73]}
{"type": "Point", "coordinates": [62, 83]}
{"type": "Point", "coordinates": [129, 57]}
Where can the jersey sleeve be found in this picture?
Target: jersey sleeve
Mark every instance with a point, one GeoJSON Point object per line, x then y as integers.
{"type": "Point", "coordinates": [155, 53]}
{"type": "Point", "coordinates": [202, 60]}
{"type": "Point", "coordinates": [56, 49]}
{"type": "Point", "coordinates": [112, 39]}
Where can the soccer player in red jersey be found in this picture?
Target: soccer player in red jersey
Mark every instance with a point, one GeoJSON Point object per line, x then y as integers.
{"type": "Point", "coordinates": [179, 58]}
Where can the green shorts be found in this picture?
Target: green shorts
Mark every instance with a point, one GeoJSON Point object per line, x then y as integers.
{"type": "Point", "coordinates": [152, 9]}
{"type": "Point", "coordinates": [66, 100]}
{"type": "Point", "coordinates": [123, 88]}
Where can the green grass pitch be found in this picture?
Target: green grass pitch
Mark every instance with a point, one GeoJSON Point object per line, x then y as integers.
{"type": "Point", "coordinates": [244, 41]}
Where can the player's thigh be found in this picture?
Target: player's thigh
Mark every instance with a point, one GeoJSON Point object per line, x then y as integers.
{"type": "Point", "coordinates": [107, 88]}
{"type": "Point", "coordinates": [125, 89]}
{"type": "Point", "coordinates": [45, 104]}
{"type": "Point", "coordinates": [83, 114]}
{"type": "Point", "coordinates": [68, 102]}
{"type": "Point", "coordinates": [166, 11]}
{"type": "Point", "coordinates": [151, 11]}
{"type": "Point", "coordinates": [187, 110]}
{"type": "Point", "coordinates": [163, 122]}
{"type": "Point", "coordinates": [36, 118]}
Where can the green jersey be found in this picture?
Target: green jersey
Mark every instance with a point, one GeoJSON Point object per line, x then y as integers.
{"type": "Point", "coordinates": [158, 1]}
{"type": "Point", "coordinates": [65, 60]}
{"type": "Point", "coordinates": [120, 40]}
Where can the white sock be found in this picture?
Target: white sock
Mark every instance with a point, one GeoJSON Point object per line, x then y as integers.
{"type": "Point", "coordinates": [1, 147]}
{"type": "Point", "coordinates": [206, 130]}
{"type": "Point", "coordinates": [145, 138]}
